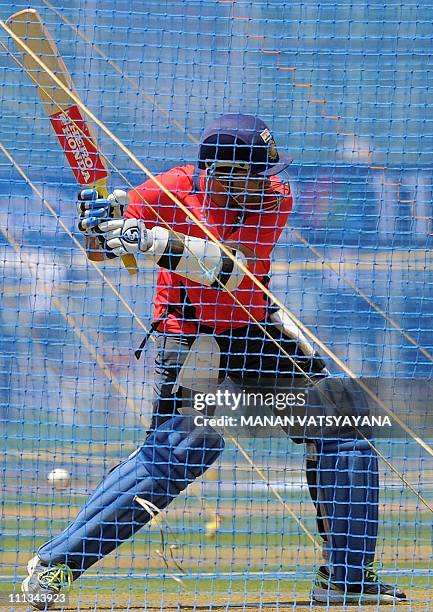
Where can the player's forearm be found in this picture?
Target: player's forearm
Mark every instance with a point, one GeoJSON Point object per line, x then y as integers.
{"type": "Point", "coordinates": [197, 259]}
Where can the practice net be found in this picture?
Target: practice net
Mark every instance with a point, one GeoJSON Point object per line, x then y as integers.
{"type": "Point", "coordinates": [346, 90]}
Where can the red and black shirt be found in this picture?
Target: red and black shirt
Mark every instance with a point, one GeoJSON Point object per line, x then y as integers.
{"type": "Point", "coordinates": [259, 231]}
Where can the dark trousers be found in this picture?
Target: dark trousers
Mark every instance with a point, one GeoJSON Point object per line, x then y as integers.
{"type": "Point", "coordinates": [344, 496]}
{"type": "Point", "coordinates": [246, 353]}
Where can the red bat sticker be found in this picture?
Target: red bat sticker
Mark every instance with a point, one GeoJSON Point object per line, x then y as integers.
{"type": "Point", "coordinates": [78, 145]}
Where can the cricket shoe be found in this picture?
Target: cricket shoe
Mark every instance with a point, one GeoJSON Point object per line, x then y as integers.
{"type": "Point", "coordinates": [370, 591]}
{"type": "Point", "coordinates": [46, 587]}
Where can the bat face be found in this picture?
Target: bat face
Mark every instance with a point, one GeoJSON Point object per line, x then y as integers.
{"type": "Point", "coordinates": [74, 133]}
{"type": "Point", "coordinates": [79, 147]}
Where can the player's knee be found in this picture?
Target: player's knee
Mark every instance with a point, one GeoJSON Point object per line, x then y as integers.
{"type": "Point", "coordinates": [180, 449]}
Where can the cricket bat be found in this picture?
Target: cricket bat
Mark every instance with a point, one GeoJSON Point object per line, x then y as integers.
{"type": "Point", "coordinates": [74, 133]}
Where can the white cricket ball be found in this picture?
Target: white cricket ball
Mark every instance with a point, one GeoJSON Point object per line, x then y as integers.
{"type": "Point", "coordinates": [59, 478]}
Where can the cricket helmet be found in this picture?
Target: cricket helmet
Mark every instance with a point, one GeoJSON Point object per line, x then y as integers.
{"type": "Point", "coordinates": [241, 140]}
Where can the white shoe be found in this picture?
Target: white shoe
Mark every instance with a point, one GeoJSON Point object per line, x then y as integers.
{"type": "Point", "coordinates": [370, 591]}
{"type": "Point", "coordinates": [46, 587]}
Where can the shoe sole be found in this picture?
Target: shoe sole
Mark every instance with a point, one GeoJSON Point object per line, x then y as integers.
{"type": "Point", "coordinates": [325, 596]}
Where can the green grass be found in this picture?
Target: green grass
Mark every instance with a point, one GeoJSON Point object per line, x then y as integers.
{"type": "Point", "coordinates": [215, 594]}
{"type": "Point", "coordinates": [260, 537]}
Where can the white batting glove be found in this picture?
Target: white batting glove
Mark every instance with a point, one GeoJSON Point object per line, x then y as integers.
{"type": "Point", "coordinates": [119, 201]}
{"type": "Point", "coordinates": [125, 236]}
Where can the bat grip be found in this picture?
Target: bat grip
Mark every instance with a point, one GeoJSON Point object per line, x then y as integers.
{"type": "Point", "coordinates": [130, 263]}
{"type": "Point", "coordinates": [93, 246]}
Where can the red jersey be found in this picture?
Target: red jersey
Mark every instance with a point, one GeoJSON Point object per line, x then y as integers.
{"type": "Point", "coordinates": [259, 231]}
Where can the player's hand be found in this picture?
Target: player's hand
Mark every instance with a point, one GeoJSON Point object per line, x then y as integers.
{"type": "Point", "coordinates": [91, 209]}
{"type": "Point", "coordinates": [94, 210]}
{"type": "Point", "coordinates": [125, 236]}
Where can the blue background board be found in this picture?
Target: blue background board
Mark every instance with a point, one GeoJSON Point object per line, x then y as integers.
{"type": "Point", "coordinates": [345, 88]}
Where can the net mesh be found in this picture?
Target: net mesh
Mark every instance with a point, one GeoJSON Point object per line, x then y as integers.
{"type": "Point", "coordinates": [346, 90]}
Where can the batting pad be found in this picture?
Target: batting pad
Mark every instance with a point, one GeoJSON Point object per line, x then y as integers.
{"type": "Point", "coordinates": [173, 456]}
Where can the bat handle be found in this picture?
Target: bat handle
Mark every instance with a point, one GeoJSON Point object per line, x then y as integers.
{"type": "Point", "coordinates": [130, 263]}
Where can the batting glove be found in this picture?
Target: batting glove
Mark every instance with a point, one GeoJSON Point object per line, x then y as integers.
{"type": "Point", "coordinates": [125, 236]}
{"type": "Point", "coordinates": [94, 210]}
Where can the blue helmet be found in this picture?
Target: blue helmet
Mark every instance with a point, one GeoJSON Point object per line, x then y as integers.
{"type": "Point", "coordinates": [241, 140]}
